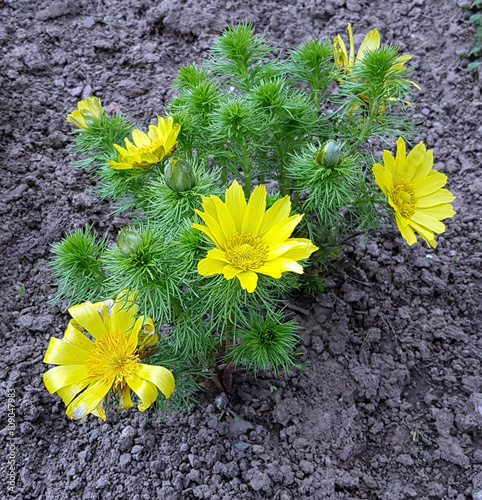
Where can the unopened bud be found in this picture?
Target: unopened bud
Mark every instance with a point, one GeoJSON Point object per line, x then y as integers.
{"type": "Point", "coordinates": [179, 175]}
{"type": "Point", "coordinates": [128, 242]}
{"type": "Point", "coordinates": [328, 155]}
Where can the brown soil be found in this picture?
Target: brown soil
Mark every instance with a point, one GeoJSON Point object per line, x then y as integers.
{"type": "Point", "coordinates": [390, 404]}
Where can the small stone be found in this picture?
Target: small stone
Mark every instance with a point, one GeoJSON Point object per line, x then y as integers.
{"type": "Point", "coordinates": [258, 449]}
{"type": "Point", "coordinates": [125, 459]}
{"type": "Point", "coordinates": [240, 426]}
{"type": "Point", "coordinates": [240, 446]}
{"type": "Point", "coordinates": [102, 482]}
{"type": "Point", "coordinates": [88, 22]}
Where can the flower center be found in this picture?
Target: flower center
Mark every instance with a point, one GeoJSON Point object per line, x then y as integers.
{"type": "Point", "coordinates": [403, 198]}
{"type": "Point", "coordinates": [155, 148]}
{"type": "Point", "coordinates": [246, 251]}
{"type": "Point", "coordinates": [111, 359]}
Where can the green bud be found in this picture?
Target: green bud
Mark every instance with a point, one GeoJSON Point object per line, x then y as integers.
{"type": "Point", "coordinates": [328, 155]}
{"type": "Point", "coordinates": [128, 242]}
{"type": "Point", "coordinates": [179, 175]}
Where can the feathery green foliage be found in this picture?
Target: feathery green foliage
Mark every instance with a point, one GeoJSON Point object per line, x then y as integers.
{"type": "Point", "coordinates": [77, 267]}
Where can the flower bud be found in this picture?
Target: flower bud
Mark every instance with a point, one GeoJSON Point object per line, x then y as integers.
{"type": "Point", "coordinates": [179, 175]}
{"type": "Point", "coordinates": [328, 155]}
{"type": "Point", "coordinates": [128, 242]}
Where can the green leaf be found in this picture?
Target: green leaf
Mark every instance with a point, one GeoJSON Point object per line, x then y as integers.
{"type": "Point", "coordinates": [473, 66]}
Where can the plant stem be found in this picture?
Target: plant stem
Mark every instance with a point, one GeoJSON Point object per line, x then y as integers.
{"type": "Point", "coordinates": [282, 171]}
{"type": "Point", "coordinates": [296, 199]}
{"type": "Point", "coordinates": [246, 170]}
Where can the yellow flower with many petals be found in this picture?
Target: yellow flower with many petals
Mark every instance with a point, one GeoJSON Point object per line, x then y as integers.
{"type": "Point", "coordinates": [249, 239]}
{"type": "Point", "coordinates": [148, 149]}
{"type": "Point", "coordinates": [414, 191]}
{"type": "Point", "coordinates": [88, 369]}
{"type": "Point", "coordinates": [87, 111]}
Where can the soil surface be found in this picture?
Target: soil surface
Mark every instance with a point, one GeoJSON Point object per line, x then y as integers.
{"type": "Point", "coordinates": [389, 405]}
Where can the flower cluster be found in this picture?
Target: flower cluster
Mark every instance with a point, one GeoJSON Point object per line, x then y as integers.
{"type": "Point", "coordinates": [243, 192]}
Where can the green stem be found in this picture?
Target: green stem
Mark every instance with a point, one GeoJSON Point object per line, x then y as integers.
{"type": "Point", "coordinates": [296, 199]}
{"type": "Point", "coordinates": [282, 171]}
{"type": "Point", "coordinates": [176, 306]}
{"type": "Point", "coordinates": [366, 126]}
{"type": "Point", "coordinates": [224, 175]}
{"type": "Point", "coordinates": [246, 170]}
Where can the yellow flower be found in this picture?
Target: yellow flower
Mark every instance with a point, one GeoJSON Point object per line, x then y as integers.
{"type": "Point", "coordinates": [250, 240]}
{"type": "Point", "coordinates": [343, 59]}
{"type": "Point", "coordinates": [370, 42]}
{"type": "Point", "coordinates": [88, 369]}
{"type": "Point", "coordinates": [87, 111]}
{"type": "Point", "coordinates": [148, 149]}
{"type": "Point", "coordinates": [414, 191]}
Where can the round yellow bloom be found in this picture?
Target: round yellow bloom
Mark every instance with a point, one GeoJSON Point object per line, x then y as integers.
{"type": "Point", "coordinates": [249, 239]}
{"type": "Point", "coordinates": [148, 149]}
{"type": "Point", "coordinates": [414, 191]}
{"type": "Point", "coordinates": [88, 369]}
{"type": "Point", "coordinates": [87, 111]}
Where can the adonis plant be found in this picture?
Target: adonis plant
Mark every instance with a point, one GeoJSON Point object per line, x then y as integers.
{"type": "Point", "coordinates": [252, 180]}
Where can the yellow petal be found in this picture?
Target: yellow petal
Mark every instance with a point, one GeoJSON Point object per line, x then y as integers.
{"type": "Point", "coordinates": [214, 227]}
{"type": "Point", "coordinates": [253, 217]}
{"type": "Point", "coordinates": [405, 230]}
{"type": "Point", "coordinates": [230, 271]}
{"type": "Point", "coordinates": [209, 206]}
{"type": "Point", "coordinates": [68, 392]}
{"type": "Point", "coordinates": [87, 316]}
{"type": "Point", "coordinates": [146, 391]}
{"type": "Point", "coordinates": [99, 412]}
{"type": "Point", "coordinates": [76, 337]}
{"type": "Point", "coordinates": [236, 204]}
{"type": "Point", "coordinates": [61, 376]}
{"type": "Point", "coordinates": [430, 184]}
{"type": "Point", "coordinates": [293, 248]}
{"type": "Point", "coordinates": [370, 42]}
{"type": "Point", "coordinates": [158, 375]}
{"type": "Point", "coordinates": [351, 58]}
{"type": "Point", "coordinates": [122, 316]}
{"type": "Point", "coordinates": [217, 254]}
{"type": "Point", "coordinates": [60, 352]}
{"type": "Point", "coordinates": [419, 162]}
{"type": "Point", "coordinates": [340, 52]}
{"type": "Point", "coordinates": [208, 267]}
{"type": "Point", "coordinates": [428, 222]}
{"type": "Point", "coordinates": [276, 267]}
{"type": "Point", "coordinates": [225, 219]}
{"type": "Point", "coordinates": [87, 401]}
{"type": "Point", "coordinates": [281, 231]}
{"type": "Point", "coordinates": [205, 230]}
{"type": "Point", "coordinates": [399, 166]}
{"type": "Point", "coordinates": [125, 399]}
{"type": "Point", "coordinates": [437, 198]}
{"type": "Point", "coordinates": [140, 138]}
{"type": "Point", "coordinates": [278, 212]}
{"type": "Point", "coordinates": [248, 280]}
{"type": "Point", "coordinates": [426, 234]}
{"type": "Point", "coordinates": [439, 212]}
